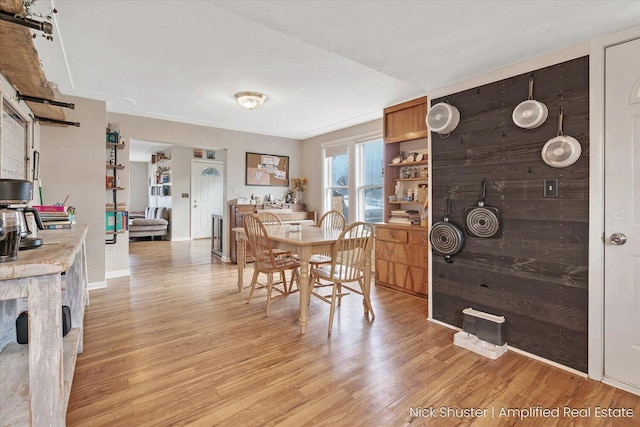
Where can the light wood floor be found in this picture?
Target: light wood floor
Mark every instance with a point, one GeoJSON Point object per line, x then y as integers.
{"type": "Point", "coordinates": [176, 344]}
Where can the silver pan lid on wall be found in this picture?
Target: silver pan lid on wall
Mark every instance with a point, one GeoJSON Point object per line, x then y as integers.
{"type": "Point", "coordinates": [443, 118]}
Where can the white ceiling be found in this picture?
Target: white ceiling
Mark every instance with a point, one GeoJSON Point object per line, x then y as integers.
{"type": "Point", "coordinates": [325, 65]}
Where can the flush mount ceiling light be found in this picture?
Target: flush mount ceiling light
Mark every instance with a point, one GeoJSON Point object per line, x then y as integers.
{"type": "Point", "coordinates": [250, 100]}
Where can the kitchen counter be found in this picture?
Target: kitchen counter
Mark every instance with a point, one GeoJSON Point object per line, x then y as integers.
{"type": "Point", "coordinates": [36, 378]}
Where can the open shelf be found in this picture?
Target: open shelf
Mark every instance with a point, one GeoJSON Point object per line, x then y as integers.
{"type": "Point", "coordinates": [403, 164]}
{"type": "Point", "coordinates": [119, 167]}
{"type": "Point", "coordinates": [14, 387]}
{"type": "Point", "coordinates": [411, 179]}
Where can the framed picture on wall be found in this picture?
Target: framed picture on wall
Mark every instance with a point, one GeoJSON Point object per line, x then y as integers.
{"type": "Point", "coordinates": [267, 170]}
{"type": "Point", "coordinates": [211, 155]}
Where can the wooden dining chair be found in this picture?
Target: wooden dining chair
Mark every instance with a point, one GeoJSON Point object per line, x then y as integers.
{"type": "Point", "coordinates": [267, 261]}
{"type": "Point", "coordinates": [347, 266]}
{"type": "Point", "coordinates": [331, 220]}
{"type": "Point", "coordinates": [268, 218]}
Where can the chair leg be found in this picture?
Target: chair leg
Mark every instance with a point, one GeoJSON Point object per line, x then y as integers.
{"type": "Point", "coordinates": [269, 288]}
{"type": "Point", "coordinates": [254, 280]}
{"type": "Point", "coordinates": [294, 275]}
{"type": "Point", "coordinates": [367, 302]}
{"type": "Point", "coordinates": [333, 307]}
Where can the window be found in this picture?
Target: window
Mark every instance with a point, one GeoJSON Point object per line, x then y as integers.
{"type": "Point", "coordinates": [353, 176]}
{"type": "Point", "coordinates": [369, 184]}
{"type": "Point", "coordinates": [337, 173]}
{"type": "Point", "coordinates": [13, 144]}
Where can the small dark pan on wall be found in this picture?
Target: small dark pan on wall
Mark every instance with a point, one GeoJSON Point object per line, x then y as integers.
{"type": "Point", "coordinates": [446, 238]}
{"type": "Point", "coordinates": [481, 220]}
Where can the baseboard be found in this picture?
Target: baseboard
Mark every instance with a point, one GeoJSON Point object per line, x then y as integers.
{"type": "Point", "coordinates": [548, 362]}
{"type": "Point", "coordinates": [181, 239]}
{"type": "Point", "coordinates": [621, 386]}
{"type": "Point", "coordinates": [522, 352]}
{"type": "Point", "coordinates": [96, 285]}
{"type": "Point", "coordinates": [117, 273]}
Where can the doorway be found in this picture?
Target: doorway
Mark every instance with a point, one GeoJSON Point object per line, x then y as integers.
{"type": "Point", "coordinates": [207, 196]}
{"type": "Point", "coordinates": [622, 215]}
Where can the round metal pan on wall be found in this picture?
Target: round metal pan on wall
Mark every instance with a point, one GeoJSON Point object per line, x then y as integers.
{"type": "Point", "coordinates": [442, 118]}
{"type": "Point", "coordinates": [562, 150]}
{"type": "Point", "coordinates": [482, 221]}
{"type": "Point", "coordinates": [530, 114]}
{"type": "Point", "coordinates": [445, 237]}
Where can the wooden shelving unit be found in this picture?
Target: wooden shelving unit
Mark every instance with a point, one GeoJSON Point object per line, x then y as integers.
{"type": "Point", "coordinates": [401, 253]}
{"type": "Point", "coordinates": [114, 167]}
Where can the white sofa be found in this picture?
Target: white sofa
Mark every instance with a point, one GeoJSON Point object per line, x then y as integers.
{"type": "Point", "coordinates": [155, 223]}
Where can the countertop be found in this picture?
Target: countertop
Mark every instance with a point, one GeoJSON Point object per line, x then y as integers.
{"type": "Point", "coordinates": [54, 256]}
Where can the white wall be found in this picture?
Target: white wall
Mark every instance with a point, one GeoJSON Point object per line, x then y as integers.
{"type": "Point", "coordinates": [181, 183]}
{"type": "Point", "coordinates": [138, 184]}
{"type": "Point", "coordinates": [72, 163]}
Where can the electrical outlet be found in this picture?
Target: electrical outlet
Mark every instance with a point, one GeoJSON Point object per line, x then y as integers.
{"type": "Point", "coordinates": [550, 188]}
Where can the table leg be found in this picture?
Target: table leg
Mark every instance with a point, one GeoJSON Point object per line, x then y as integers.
{"type": "Point", "coordinates": [45, 351]}
{"type": "Point", "coordinates": [304, 292]}
{"type": "Point", "coordinates": [240, 252]}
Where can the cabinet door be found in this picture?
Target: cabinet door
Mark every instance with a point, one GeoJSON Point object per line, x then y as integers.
{"type": "Point", "coordinates": [406, 121]}
{"type": "Point", "coordinates": [401, 276]}
{"type": "Point", "coordinates": [384, 272]}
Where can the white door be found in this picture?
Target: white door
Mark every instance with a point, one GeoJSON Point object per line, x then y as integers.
{"type": "Point", "coordinates": [207, 184]}
{"type": "Point", "coordinates": [622, 214]}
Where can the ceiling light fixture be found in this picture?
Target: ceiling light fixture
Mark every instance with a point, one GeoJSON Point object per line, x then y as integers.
{"type": "Point", "coordinates": [250, 100]}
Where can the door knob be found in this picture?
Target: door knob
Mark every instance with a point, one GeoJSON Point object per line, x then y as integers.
{"type": "Point", "coordinates": [618, 239]}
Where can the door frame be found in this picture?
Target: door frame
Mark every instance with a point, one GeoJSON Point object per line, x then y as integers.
{"type": "Point", "coordinates": [596, 202]}
{"type": "Point", "coordinates": [224, 187]}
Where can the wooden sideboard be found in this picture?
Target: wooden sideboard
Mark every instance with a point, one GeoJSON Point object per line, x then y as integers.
{"type": "Point", "coordinates": [402, 258]}
{"type": "Point", "coordinates": [297, 213]}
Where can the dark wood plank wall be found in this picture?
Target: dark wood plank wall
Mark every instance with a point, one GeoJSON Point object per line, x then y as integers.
{"type": "Point", "coordinates": [535, 274]}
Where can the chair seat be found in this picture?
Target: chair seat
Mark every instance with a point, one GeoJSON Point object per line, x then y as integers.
{"type": "Point", "coordinates": [320, 259]}
{"type": "Point", "coordinates": [285, 264]}
{"type": "Point", "coordinates": [324, 272]}
{"type": "Point", "coordinates": [281, 252]}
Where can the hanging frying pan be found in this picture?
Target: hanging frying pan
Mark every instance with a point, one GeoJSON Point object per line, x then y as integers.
{"type": "Point", "coordinates": [563, 150]}
{"type": "Point", "coordinates": [442, 118]}
{"type": "Point", "coordinates": [482, 221]}
{"type": "Point", "coordinates": [445, 237]}
{"type": "Point", "coordinates": [530, 114]}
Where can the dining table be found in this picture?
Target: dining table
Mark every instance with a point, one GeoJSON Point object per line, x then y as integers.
{"type": "Point", "coordinates": [303, 241]}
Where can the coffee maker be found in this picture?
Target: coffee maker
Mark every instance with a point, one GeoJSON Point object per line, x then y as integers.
{"type": "Point", "coordinates": [14, 195]}
{"type": "Point", "coordinates": [9, 235]}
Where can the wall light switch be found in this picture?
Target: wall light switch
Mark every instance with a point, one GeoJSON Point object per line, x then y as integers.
{"type": "Point", "coordinates": [185, 195]}
{"type": "Point", "coordinates": [550, 188]}
{"type": "Point", "coordinates": [235, 190]}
